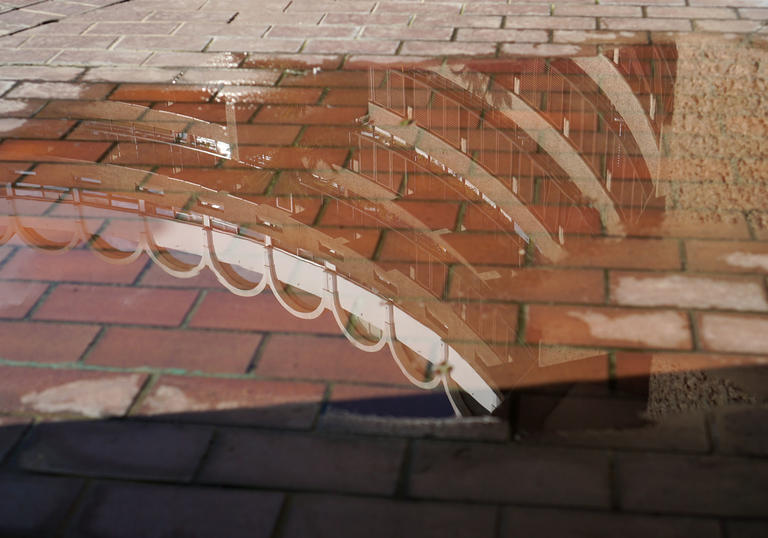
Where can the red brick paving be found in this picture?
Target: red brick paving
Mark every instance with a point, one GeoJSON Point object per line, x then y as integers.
{"type": "Point", "coordinates": [222, 310]}
{"type": "Point", "coordinates": [32, 264]}
{"type": "Point", "coordinates": [600, 326]}
{"type": "Point", "coordinates": [67, 392]}
{"type": "Point", "coordinates": [673, 286]}
{"type": "Point", "coordinates": [116, 305]}
{"type": "Point", "coordinates": [17, 298]}
{"type": "Point", "coordinates": [247, 402]}
{"type": "Point", "coordinates": [63, 342]}
{"type": "Point", "coordinates": [316, 357]}
{"type": "Point", "coordinates": [205, 351]}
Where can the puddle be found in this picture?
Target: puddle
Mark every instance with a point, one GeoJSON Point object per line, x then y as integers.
{"type": "Point", "coordinates": [531, 237]}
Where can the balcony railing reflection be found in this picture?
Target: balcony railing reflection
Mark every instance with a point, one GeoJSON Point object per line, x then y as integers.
{"type": "Point", "coordinates": [532, 154]}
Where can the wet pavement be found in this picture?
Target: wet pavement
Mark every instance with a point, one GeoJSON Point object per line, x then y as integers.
{"type": "Point", "coordinates": [340, 268]}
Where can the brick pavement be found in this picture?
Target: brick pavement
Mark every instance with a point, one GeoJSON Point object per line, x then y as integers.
{"type": "Point", "coordinates": [235, 417]}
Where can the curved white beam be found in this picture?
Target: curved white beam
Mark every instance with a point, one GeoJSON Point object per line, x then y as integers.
{"type": "Point", "coordinates": [603, 71]}
{"type": "Point", "coordinates": [334, 292]}
{"type": "Point", "coordinates": [551, 141]}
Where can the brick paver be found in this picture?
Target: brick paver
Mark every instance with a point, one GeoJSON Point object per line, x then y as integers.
{"type": "Point", "coordinates": [206, 351]}
{"type": "Point", "coordinates": [242, 402]}
{"type": "Point", "coordinates": [624, 328]}
{"type": "Point", "coordinates": [30, 264]}
{"type": "Point", "coordinates": [315, 357]}
{"type": "Point", "coordinates": [694, 485]}
{"type": "Point", "coordinates": [70, 392]}
{"type": "Point", "coordinates": [112, 449]}
{"type": "Point", "coordinates": [116, 305]}
{"type": "Point", "coordinates": [297, 461]}
{"type": "Point", "coordinates": [327, 516]}
{"type": "Point", "coordinates": [35, 505]}
{"type": "Point", "coordinates": [510, 474]}
{"type": "Point", "coordinates": [19, 297]}
{"type": "Point", "coordinates": [63, 343]}
{"type": "Point", "coordinates": [11, 430]}
{"type": "Point", "coordinates": [221, 310]}
{"type": "Point", "coordinates": [124, 510]}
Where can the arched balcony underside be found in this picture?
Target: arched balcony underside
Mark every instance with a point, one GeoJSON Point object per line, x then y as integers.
{"type": "Point", "coordinates": [184, 248]}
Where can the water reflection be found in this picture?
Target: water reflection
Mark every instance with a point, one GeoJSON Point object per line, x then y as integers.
{"type": "Point", "coordinates": [462, 200]}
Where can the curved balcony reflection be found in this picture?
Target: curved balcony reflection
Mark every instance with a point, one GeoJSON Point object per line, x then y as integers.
{"type": "Point", "coordinates": [529, 157]}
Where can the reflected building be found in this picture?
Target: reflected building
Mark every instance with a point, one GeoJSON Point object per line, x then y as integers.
{"type": "Point", "coordinates": [458, 173]}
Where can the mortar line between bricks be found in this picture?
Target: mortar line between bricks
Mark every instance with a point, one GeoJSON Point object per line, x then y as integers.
{"type": "Point", "coordinates": [325, 401]}
{"type": "Point", "coordinates": [13, 86]}
{"type": "Point", "coordinates": [192, 373]}
{"type": "Point", "coordinates": [257, 354]}
{"type": "Point", "coordinates": [77, 502]}
{"type": "Point", "coordinates": [15, 446]}
{"type": "Point", "coordinates": [92, 344]}
{"type": "Point", "coordinates": [195, 476]}
{"type": "Point", "coordinates": [147, 59]}
{"type": "Point", "coordinates": [522, 321]}
{"type": "Point", "coordinates": [12, 455]}
{"type": "Point", "coordinates": [13, 249]}
{"type": "Point", "coordinates": [115, 43]}
{"type": "Point", "coordinates": [694, 331]}
{"type": "Point", "coordinates": [148, 264]}
{"type": "Point", "coordinates": [77, 123]}
{"type": "Point", "coordinates": [282, 516]}
{"type": "Point", "coordinates": [40, 300]}
{"type": "Point", "coordinates": [38, 25]}
{"type": "Point", "coordinates": [193, 308]}
{"type": "Point", "coordinates": [323, 94]}
{"type": "Point", "coordinates": [299, 135]}
{"type": "Point", "coordinates": [142, 393]}
{"type": "Point", "coordinates": [402, 486]}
